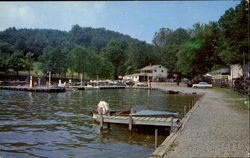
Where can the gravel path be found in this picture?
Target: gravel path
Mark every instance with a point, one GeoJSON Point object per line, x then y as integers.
{"type": "Point", "coordinates": [215, 129]}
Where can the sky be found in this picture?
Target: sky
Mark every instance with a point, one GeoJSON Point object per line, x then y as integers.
{"type": "Point", "coordinates": [139, 19]}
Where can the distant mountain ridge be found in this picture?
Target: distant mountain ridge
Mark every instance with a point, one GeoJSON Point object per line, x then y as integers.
{"type": "Point", "coordinates": [35, 40]}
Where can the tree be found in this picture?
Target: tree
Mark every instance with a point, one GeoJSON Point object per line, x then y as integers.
{"type": "Point", "coordinates": [138, 55]}
{"type": "Point", "coordinates": [16, 61]}
{"type": "Point", "coordinates": [79, 60]}
{"type": "Point", "coordinates": [28, 61]}
{"type": "Point", "coordinates": [167, 43]}
{"type": "Point", "coordinates": [6, 50]}
{"type": "Point", "coordinates": [161, 38]}
{"type": "Point", "coordinates": [198, 55]}
{"type": "Point", "coordinates": [115, 53]}
{"type": "Point", "coordinates": [54, 60]}
{"type": "Point", "coordinates": [234, 38]}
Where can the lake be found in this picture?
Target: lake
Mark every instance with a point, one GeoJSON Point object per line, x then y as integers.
{"type": "Point", "coordinates": [61, 125]}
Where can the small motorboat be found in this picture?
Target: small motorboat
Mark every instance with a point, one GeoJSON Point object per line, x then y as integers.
{"type": "Point", "coordinates": [91, 87]}
{"type": "Point", "coordinates": [103, 108]}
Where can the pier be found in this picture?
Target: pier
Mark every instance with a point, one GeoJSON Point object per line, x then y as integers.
{"type": "Point", "coordinates": [133, 120]}
{"type": "Point", "coordinates": [99, 87]}
{"type": "Point", "coordinates": [40, 89]}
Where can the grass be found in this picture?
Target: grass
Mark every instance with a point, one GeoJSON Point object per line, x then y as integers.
{"type": "Point", "coordinates": [244, 103]}
{"type": "Point", "coordinates": [36, 71]}
{"type": "Point", "coordinates": [171, 147]}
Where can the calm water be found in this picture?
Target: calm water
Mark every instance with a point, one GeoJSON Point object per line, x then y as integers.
{"type": "Point", "coordinates": [61, 125]}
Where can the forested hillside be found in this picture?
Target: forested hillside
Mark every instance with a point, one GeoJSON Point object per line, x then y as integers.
{"type": "Point", "coordinates": [86, 51]}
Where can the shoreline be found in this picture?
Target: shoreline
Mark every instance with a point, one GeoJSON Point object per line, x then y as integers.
{"type": "Point", "coordinates": [212, 128]}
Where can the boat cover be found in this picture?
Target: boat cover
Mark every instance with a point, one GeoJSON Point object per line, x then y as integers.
{"type": "Point", "coordinates": [151, 112]}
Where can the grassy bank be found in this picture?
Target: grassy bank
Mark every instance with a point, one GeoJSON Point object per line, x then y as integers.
{"type": "Point", "coordinates": [242, 101]}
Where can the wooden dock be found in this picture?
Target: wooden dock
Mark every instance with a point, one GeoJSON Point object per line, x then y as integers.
{"type": "Point", "coordinates": [112, 87]}
{"type": "Point", "coordinates": [132, 120]}
{"type": "Point", "coordinates": [100, 87]}
{"type": "Point", "coordinates": [35, 89]}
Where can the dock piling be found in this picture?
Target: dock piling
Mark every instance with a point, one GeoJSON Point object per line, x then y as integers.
{"type": "Point", "coordinates": [130, 122]}
{"type": "Point", "coordinates": [172, 123]}
{"type": "Point", "coordinates": [156, 138]}
{"type": "Point", "coordinates": [185, 108]}
{"type": "Point", "coordinates": [101, 121]}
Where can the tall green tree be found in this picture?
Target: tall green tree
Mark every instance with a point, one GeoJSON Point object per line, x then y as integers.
{"type": "Point", "coordinates": [167, 43]}
{"type": "Point", "coordinates": [234, 42]}
{"type": "Point", "coordinates": [80, 60]}
{"type": "Point", "coordinates": [28, 61]}
{"type": "Point", "coordinates": [53, 60]}
{"type": "Point", "coordinates": [138, 55]}
{"type": "Point", "coordinates": [16, 61]}
{"type": "Point", "coordinates": [198, 55]}
{"type": "Point", "coordinates": [6, 50]}
{"type": "Point", "coordinates": [115, 52]}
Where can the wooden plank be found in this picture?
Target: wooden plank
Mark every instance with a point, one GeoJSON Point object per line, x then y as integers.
{"type": "Point", "coordinates": [168, 120]}
{"type": "Point", "coordinates": [162, 119]}
{"type": "Point", "coordinates": [152, 118]}
{"type": "Point", "coordinates": [136, 118]}
{"type": "Point", "coordinates": [118, 117]}
{"type": "Point", "coordinates": [124, 117]}
{"type": "Point", "coordinates": [157, 119]}
{"type": "Point", "coordinates": [140, 118]}
{"type": "Point", "coordinates": [147, 118]}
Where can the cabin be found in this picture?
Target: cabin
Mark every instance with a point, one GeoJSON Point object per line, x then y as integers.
{"type": "Point", "coordinates": [226, 77]}
{"type": "Point", "coordinates": [153, 73]}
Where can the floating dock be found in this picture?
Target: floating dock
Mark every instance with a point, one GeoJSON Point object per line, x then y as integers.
{"type": "Point", "coordinates": [112, 87]}
{"type": "Point", "coordinates": [100, 87]}
{"type": "Point", "coordinates": [41, 89]}
{"type": "Point", "coordinates": [133, 120]}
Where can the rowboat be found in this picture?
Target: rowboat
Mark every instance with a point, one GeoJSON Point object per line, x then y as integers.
{"type": "Point", "coordinates": [103, 109]}
{"type": "Point", "coordinates": [141, 113]}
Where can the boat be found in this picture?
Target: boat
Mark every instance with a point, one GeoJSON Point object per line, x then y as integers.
{"type": "Point", "coordinates": [103, 108]}
{"type": "Point", "coordinates": [91, 87]}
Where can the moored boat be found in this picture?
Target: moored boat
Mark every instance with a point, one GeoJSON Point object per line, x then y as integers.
{"type": "Point", "coordinates": [103, 108]}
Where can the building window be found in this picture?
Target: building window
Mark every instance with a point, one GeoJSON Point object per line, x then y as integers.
{"type": "Point", "coordinates": [155, 70]}
{"type": "Point", "coordinates": [162, 71]}
{"type": "Point", "coordinates": [160, 66]}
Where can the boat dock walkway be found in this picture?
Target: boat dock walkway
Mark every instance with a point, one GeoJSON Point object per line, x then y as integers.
{"type": "Point", "coordinates": [97, 87]}
{"type": "Point", "coordinates": [37, 89]}
{"type": "Point", "coordinates": [133, 120]}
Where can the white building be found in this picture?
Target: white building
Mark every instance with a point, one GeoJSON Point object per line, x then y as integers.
{"type": "Point", "coordinates": [154, 73]}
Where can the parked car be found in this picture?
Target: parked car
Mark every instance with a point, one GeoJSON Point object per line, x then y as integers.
{"type": "Point", "coordinates": [202, 85]}
{"type": "Point", "coordinates": [142, 84]}
{"type": "Point", "coordinates": [129, 83]}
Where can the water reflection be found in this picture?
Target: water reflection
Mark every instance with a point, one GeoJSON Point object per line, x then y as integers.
{"type": "Point", "coordinates": [61, 125]}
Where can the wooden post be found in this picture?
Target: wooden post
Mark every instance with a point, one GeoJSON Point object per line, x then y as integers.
{"type": "Point", "coordinates": [171, 125]}
{"type": "Point", "coordinates": [31, 82]}
{"type": "Point", "coordinates": [101, 120]}
{"type": "Point", "coordinates": [81, 79]}
{"type": "Point", "coordinates": [185, 108]}
{"type": "Point", "coordinates": [156, 138]}
{"type": "Point", "coordinates": [49, 79]}
{"type": "Point", "coordinates": [130, 122]}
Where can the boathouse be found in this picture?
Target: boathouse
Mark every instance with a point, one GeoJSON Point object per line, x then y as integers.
{"type": "Point", "coordinates": [154, 73]}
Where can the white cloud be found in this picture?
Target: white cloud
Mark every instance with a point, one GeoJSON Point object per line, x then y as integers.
{"type": "Point", "coordinates": [15, 14]}
{"type": "Point", "coordinates": [57, 15]}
